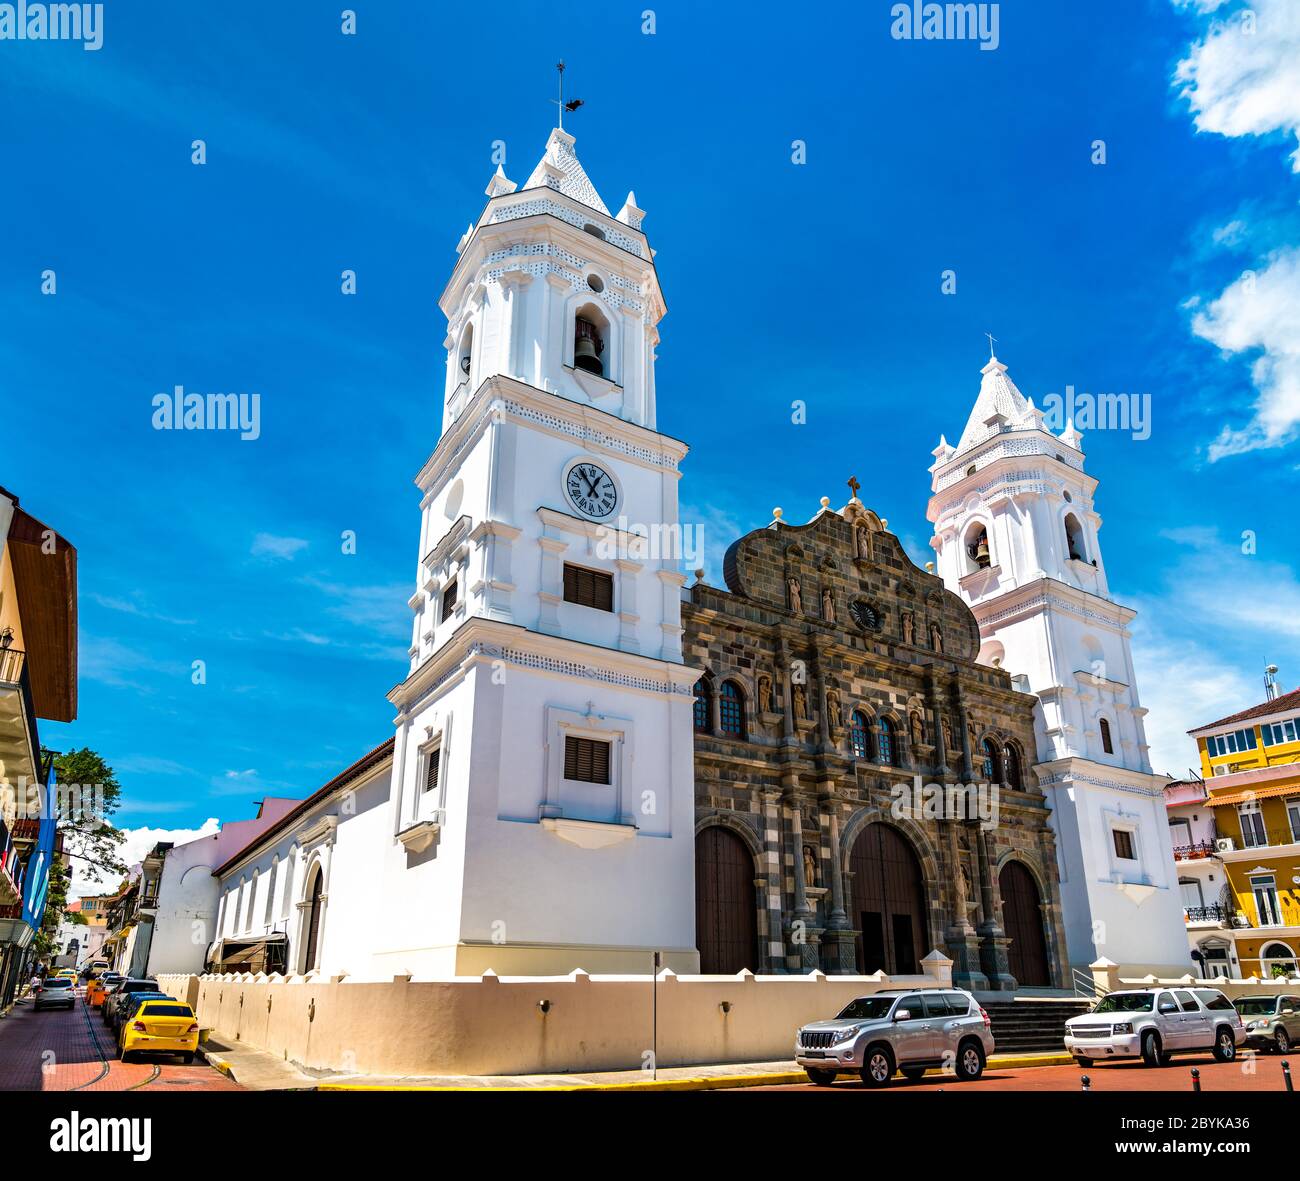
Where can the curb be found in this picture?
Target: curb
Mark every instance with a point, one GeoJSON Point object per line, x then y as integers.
{"type": "Point", "coordinates": [701, 1083]}
{"type": "Point", "coordinates": [217, 1062]}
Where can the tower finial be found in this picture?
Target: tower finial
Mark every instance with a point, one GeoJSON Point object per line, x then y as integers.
{"type": "Point", "coordinates": [573, 104]}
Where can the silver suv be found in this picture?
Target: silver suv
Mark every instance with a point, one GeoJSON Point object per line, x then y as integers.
{"type": "Point", "coordinates": [1154, 1023]}
{"type": "Point", "coordinates": [907, 1030]}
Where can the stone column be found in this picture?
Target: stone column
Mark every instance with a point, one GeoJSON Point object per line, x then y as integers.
{"type": "Point", "coordinates": [806, 933]}
{"type": "Point", "coordinates": [935, 700]}
{"type": "Point", "coordinates": [787, 694]}
{"type": "Point", "coordinates": [993, 941]}
{"type": "Point", "coordinates": [842, 954]}
{"type": "Point", "coordinates": [961, 938]}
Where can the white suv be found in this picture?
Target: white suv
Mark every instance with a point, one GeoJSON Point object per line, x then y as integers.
{"type": "Point", "coordinates": [1153, 1023]}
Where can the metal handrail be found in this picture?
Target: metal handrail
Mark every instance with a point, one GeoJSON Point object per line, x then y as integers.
{"type": "Point", "coordinates": [11, 665]}
{"type": "Point", "coordinates": [1213, 913]}
{"type": "Point", "coordinates": [1085, 984]}
{"type": "Point", "coordinates": [1272, 838]}
{"type": "Point", "coordinates": [1195, 849]}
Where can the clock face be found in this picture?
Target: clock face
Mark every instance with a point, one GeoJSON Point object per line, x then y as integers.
{"type": "Point", "coordinates": [865, 615]}
{"type": "Point", "coordinates": [591, 489]}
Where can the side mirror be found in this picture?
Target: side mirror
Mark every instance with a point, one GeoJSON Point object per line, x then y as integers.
{"type": "Point", "coordinates": [1168, 1008]}
{"type": "Point", "coordinates": [902, 1014]}
{"type": "Point", "coordinates": [1288, 1012]}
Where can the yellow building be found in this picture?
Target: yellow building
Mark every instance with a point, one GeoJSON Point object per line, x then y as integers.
{"type": "Point", "coordinates": [1251, 765]}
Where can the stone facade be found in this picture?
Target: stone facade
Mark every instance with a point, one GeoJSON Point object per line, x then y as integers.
{"type": "Point", "coordinates": [819, 621]}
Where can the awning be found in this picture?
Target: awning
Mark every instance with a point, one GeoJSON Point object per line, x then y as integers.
{"type": "Point", "coordinates": [250, 953]}
{"type": "Point", "coordinates": [1254, 793]}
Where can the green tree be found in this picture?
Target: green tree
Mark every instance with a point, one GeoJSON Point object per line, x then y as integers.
{"type": "Point", "coordinates": [90, 794]}
{"type": "Point", "coordinates": [46, 943]}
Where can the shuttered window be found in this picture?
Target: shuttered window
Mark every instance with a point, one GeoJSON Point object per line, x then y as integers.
{"type": "Point", "coordinates": [449, 601]}
{"type": "Point", "coordinates": [434, 758]}
{"type": "Point", "coordinates": [588, 588]}
{"type": "Point", "coordinates": [586, 759]}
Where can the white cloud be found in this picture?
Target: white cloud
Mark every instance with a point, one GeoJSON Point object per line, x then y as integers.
{"type": "Point", "coordinates": [268, 545]}
{"type": "Point", "coordinates": [1258, 313]}
{"type": "Point", "coordinates": [137, 844]}
{"type": "Point", "coordinates": [1242, 77]}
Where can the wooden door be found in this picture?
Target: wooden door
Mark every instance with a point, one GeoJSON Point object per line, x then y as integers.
{"type": "Point", "coordinates": [1022, 915]}
{"type": "Point", "coordinates": [889, 903]}
{"type": "Point", "coordinates": [726, 923]}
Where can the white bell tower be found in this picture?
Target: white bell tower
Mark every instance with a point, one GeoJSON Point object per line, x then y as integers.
{"type": "Point", "coordinates": [542, 811]}
{"type": "Point", "coordinates": [1016, 534]}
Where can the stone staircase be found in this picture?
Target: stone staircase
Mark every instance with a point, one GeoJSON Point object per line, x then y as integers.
{"type": "Point", "coordinates": [1032, 1026]}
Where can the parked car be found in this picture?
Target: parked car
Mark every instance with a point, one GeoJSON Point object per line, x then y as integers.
{"type": "Point", "coordinates": [55, 992]}
{"type": "Point", "coordinates": [127, 1005]}
{"type": "Point", "coordinates": [161, 1026]}
{"type": "Point", "coordinates": [898, 1029]}
{"type": "Point", "coordinates": [120, 990]}
{"type": "Point", "coordinates": [1154, 1023]}
{"type": "Point", "coordinates": [94, 968]}
{"type": "Point", "coordinates": [98, 988]}
{"type": "Point", "coordinates": [1272, 1022]}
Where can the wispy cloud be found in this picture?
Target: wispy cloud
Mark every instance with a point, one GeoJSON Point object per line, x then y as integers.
{"type": "Point", "coordinates": [268, 545]}
{"type": "Point", "coordinates": [137, 844]}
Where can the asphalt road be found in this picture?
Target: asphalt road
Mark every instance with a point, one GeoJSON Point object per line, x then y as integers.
{"type": "Point", "coordinates": [73, 1050]}
{"type": "Point", "coordinates": [1251, 1072]}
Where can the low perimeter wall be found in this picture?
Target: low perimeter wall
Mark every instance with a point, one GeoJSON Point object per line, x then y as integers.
{"type": "Point", "coordinates": [524, 1025]}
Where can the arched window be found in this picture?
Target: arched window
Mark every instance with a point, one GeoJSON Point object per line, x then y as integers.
{"type": "Point", "coordinates": [268, 916]}
{"type": "Point", "coordinates": [978, 555]}
{"type": "Point", "coordinates": [886, 748]}
{"type": "Point", "coordinates": [252, 902]}
{"type": "Point", "coordinates": [311, 953]}
{"type": "Point", "coordinates": [1013, 769]}
{"type": "Point", "coordinates": [466, 357]}
{"type": "Point", "coordinates": [286, 897]}
{"type": "Point", "coordinates": [703, 707]}
{"type": "Point", "coordinates": [992, 764]}
{"type": "Point", "coordinates": [731, 710]}
{"type": "Point", "coordinates": [859, 735]}
{"type": "Point", "coordinates": [1277, 959]}
{"type": "Point", "coordinates": [590, 332]}
{"type": "Point", "coordinates": [239, 905]}
{"type": "Point", "coordinates": [1106, 743]}
{"type": "Point", "coordinates": [1074, 539]}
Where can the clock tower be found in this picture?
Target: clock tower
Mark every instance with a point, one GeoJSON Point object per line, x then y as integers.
{"type": "Point", "coordinates": [542, 810]}
{"type": "Point", "coordinates": [1017, 536]}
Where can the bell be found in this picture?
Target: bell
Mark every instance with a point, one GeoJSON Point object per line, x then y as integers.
{"type": "Point", "coordinates": [982, 550]}
{"type": "Point", "coordinates": [587, 347]}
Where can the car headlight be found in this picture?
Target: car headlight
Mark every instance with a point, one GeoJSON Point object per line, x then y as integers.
{"type": "Point", "coordinates": [1253, 1024]}
{"type": "Point", "coordinates": [845, 1035]}
{"type": "Point", "coordinates": [1123, 1027]}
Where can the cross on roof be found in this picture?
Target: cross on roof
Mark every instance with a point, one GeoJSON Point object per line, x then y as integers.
{"type": "Point", "coordinates": [854, 486]}
{"type": "Point", "coordinates": [992, 338]}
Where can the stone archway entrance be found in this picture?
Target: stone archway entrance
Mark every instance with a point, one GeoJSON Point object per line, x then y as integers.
{"type": "Point", "coordinates": [889, 904]}
{"type": "Point", "coordinates": [726, 925]}
{"type": "Point", "coordinates": [1022, 915]}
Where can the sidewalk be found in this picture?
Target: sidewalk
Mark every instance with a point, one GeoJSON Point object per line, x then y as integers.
{"type": "Point", "coordinates": [259, 1071]}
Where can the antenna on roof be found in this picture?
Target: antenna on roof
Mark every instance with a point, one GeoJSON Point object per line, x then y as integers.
{"type": "Point", "coordinates": [1270, 681]}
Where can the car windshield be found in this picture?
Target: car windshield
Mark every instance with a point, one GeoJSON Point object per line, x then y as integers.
{"type": "Point", "coordinates": [867, 1008]}
{"type": "Point", "coordinates": [1126, 1002]}
{"type": "Point", "coordinates": [58, 982]}
{"type": "Point", "coordinates": [1255, 1006]}
{"type": "Point", "coordinates": [160, 1009]}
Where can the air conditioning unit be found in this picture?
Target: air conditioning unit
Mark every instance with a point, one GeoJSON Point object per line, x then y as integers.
{"type": "Point", "coordinates": [1224, 845]}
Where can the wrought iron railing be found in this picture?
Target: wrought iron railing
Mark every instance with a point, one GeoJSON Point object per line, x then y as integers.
{"type": "Point", "coordinates": [11, 665]}
{"type": "Point", "coordinates": [1194, 850]}
{"type": "Point", "coordinates": [1209, 914]}
{"type": "Point", "coordinates": [1252, 839]}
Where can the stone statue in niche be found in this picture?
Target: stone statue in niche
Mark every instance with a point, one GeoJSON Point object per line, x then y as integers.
{"type": "Point", "coordinates": [947, 735]}
{"type": "Point", "coordinates": [918, 730]}
{"type": "Point", "coordinates": [909, 628]}
{"type": "Point", "coordinates": [809, 866]}
{"type": "Point", "coordinates": [936, 638]}
{"type": "Point", "coordinates": [800, 695]}
{"type": "Point", "coordinates": [833, 707]}
{"type": "Point", "coordinates": [796, 601]}
{"type": "Point", "coordinates": [863, 542]}
{"type": "Point", "coordinates": [828, 606]}
{"type": "Point", "coordinates": [765, 693]}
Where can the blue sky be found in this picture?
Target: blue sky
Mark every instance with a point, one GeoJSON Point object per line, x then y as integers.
{"type": "Point", "coordinates": [819, 281]}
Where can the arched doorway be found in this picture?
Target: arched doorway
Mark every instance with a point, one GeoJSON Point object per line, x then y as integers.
{"type": "Point", "coordinates": [888, 902]}
{"type": "Point", "coordinates": [726, 927]}
{"type": "Point", "coordinates": [311, 954]}
{"type": "Point", "coordinates": [1022, 915]}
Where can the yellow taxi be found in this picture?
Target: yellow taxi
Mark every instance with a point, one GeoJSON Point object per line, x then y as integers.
{"type": "Point", "coordinates": [161, 1027]}
{"type": "Point", "coordinates": [95, 988]}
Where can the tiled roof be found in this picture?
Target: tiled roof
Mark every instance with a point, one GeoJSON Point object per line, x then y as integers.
{"type": "Point", "coordinates": [1279, 705]}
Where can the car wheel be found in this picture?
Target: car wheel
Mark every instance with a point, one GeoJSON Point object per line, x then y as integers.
{"type": "Point", "coordinates": [878, 1068]}
{"type": "Point", "coordinates": [125, 1055]}
{"type": "Point", "coordinates": [1152, 1053]}
{"type": "Point", "coordinates": [1081, 1061]}
{"type": "Point", "coordinates": [188, 1059]}
{"type": "Point", "coordinates": [970, 1061]}
{"type": "Point", "coordinates": [1282, 1041]}
{"type": "Point", "coordinates": [1225, 1048]}
{"type": "Point", "coordinates": [914, 1072]}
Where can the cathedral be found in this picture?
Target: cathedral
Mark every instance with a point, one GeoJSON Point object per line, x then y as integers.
{"type": "Point", "coordinates": [838, 761]}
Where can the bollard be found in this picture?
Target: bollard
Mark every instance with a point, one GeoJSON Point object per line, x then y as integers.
{"type": "Point", "coordinates": [1087, 1083]}
{"type": "Point", "coordinates": [1286, 1074]}
{"type": "Point", "coordinates": [1196, 1079]}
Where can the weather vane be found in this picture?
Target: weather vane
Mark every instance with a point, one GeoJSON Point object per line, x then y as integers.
{"type": "Point", "coordinates": [572, 105]}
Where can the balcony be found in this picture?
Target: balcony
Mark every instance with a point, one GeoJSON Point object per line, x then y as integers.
{"type": "Point", "coordinates": [1209, 914]}
{"type": "Point", "coordinates": [1193, 851]}
{"type": "Point", "coordinates": [1273, 838]}
{"type": "Point", "coordinates": [19, 745]}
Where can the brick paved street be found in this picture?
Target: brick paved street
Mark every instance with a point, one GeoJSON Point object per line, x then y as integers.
{"type": "Point", "coordinates": [1259, 1073]}
{"type": "Point", "coordinates": [71, 1050]}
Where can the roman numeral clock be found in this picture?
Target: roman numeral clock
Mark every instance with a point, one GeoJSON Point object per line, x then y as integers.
{"type": "Point", "coordinates": [591, 489]}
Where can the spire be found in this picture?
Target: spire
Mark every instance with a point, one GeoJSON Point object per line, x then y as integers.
{"type": "Point", "coordinates": [999, 403]}
{"type": "Point", "coordinates": [560, 170]}
{"type": "Point", "coordinates": [500, 184]}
